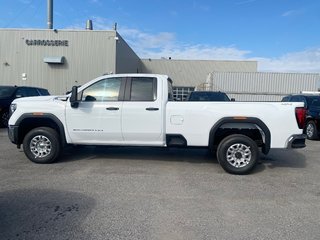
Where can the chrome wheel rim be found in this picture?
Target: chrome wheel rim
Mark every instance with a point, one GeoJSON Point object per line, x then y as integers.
{"type": "Point", "coordinates": [239, 155]}
{"type": "Point", "coordinates": [40, 146]}
{"type": "Point", "coordinates": [310, 130]}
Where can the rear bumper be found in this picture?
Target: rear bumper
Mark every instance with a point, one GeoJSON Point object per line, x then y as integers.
{"type": "Point", "coordinates": [297, 141]}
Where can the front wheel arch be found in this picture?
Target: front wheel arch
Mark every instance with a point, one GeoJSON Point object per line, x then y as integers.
{"type": "Point", "coordinates": [28, 121]}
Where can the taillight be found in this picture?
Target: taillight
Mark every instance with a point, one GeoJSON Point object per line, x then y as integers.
{"type": "Point", "coordinates": [301, 116]}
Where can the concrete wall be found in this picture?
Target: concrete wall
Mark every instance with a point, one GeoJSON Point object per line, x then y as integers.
{"type": "Point", "coordinates": [89, 54]}
{"type": "Point", "coordinates": [127, 60]}
{"type": "Point", "coordinates": [194, 72]}
{"type": "Point", "coordinates": [263, 86]}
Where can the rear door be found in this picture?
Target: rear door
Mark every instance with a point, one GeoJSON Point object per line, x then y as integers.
{"type": "Point", "coordinates": [142, 113]}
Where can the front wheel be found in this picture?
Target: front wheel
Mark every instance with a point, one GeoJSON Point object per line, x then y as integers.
{"type": "Point", "coordinates": [41, 145]}
{"type": "Point", "coordinates": [237, 154]}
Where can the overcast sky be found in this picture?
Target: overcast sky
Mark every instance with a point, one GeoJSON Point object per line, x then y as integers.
{"type": "Point", "coordinates": [282, 35]}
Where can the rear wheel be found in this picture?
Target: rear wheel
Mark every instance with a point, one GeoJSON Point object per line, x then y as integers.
{"type": "Point", "coordinates": [41, 145]}
{"type": "Point", "coordinates": [237, 154]}
{"type": "Point", "coordinates": [311, 130]}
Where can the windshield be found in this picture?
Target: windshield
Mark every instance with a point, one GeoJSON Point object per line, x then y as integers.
{"type": "Point", "coordinates": [208, 96]}
{"type": "Point", "coordinates": [6, 92]}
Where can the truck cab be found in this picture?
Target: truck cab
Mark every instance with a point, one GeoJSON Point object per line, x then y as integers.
{"type": "Point", "coordinates": [117, 110]}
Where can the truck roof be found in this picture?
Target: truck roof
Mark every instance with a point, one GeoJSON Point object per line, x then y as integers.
{"type": "Point", "coordinates": [136, 75]}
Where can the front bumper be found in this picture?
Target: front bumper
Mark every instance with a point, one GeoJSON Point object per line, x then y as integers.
{"type": "Point", "coordinates": [13, 133]}
{"type": "Point", "coordinates": [297, 141]}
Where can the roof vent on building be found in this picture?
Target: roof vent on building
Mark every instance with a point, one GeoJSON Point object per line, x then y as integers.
{"type": "Point", "coordinates": [89, 25]}
{"type": "Point", "coordinates": [50, 14]}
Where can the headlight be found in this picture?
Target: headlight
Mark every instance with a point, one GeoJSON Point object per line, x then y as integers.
{"type": "Point", "coordinates": [13, 107]}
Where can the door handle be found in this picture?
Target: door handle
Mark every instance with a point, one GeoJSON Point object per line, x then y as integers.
{"type": "Point", "coordinates": [112, 108]}
{"type": "Point", "coordinates": [152, 109]}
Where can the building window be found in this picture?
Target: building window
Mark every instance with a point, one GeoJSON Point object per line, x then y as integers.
{"type": "Point", "coordinates": [181, 93]}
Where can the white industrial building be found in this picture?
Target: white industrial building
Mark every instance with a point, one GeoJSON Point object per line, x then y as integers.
{"type": "Point", "coordinates": [58, 59]}
{"type": "Point", "coordinates": [260, 86]}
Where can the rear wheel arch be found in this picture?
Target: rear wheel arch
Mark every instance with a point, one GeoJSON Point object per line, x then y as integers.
{"type": "Point", "coordinates": [246, 126]}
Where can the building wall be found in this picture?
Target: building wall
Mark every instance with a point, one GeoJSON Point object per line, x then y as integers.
{"type": "Point", "coordinates": [263, 86]}
{"type": "Point", "coordinates": [127, 60]}
{"type": "Point", "coordinates": [191, 73]}
{"type": "Point", "coordinates": [89, 54]}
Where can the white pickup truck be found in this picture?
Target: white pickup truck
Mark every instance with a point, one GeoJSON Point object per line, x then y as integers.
{"type": "Point", "coordinates": [138, 110]}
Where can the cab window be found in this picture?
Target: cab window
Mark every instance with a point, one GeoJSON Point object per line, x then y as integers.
{"type": "Point", "coordinates": [143, 89]}
{"type": "Point", "coordinates": [104, 90]}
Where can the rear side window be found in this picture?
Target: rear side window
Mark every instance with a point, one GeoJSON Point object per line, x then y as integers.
{"type": "Point", "coordinates": [285, 99]}
{"type": "Point", "coordinates": [143, 89]}
{"type": "Point", "coordinates": [297, 99]}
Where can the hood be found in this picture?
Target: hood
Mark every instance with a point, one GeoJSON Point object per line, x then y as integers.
{"type": "Point", "coordinates": [39, 99]}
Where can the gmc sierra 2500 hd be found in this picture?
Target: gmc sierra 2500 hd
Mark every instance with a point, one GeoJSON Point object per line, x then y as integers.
{"type": "Point", "coordinates": [138, 110]}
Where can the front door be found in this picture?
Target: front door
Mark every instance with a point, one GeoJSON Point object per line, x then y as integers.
{"type": "Point", "coordinates": [97, 120]}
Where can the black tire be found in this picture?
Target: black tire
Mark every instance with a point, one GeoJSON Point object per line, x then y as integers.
{"type": "Point", "coordinates": [311, 130]}
{"type": "Point", "coordinates": [4, 118]}
{"type": "Point", "coordinates": [238, 154]}
{"type": "Point", "coordinates": [41, 145]}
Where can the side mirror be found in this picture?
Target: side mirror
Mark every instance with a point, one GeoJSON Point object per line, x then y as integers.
{"type": "Point", "coordinates": [233, 99]}
{"type": "Point", "coordinates": [74, 97]}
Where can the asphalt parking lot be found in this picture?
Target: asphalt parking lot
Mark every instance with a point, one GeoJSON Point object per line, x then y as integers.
{"type": "Point", "coordinates": [153, 193]}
